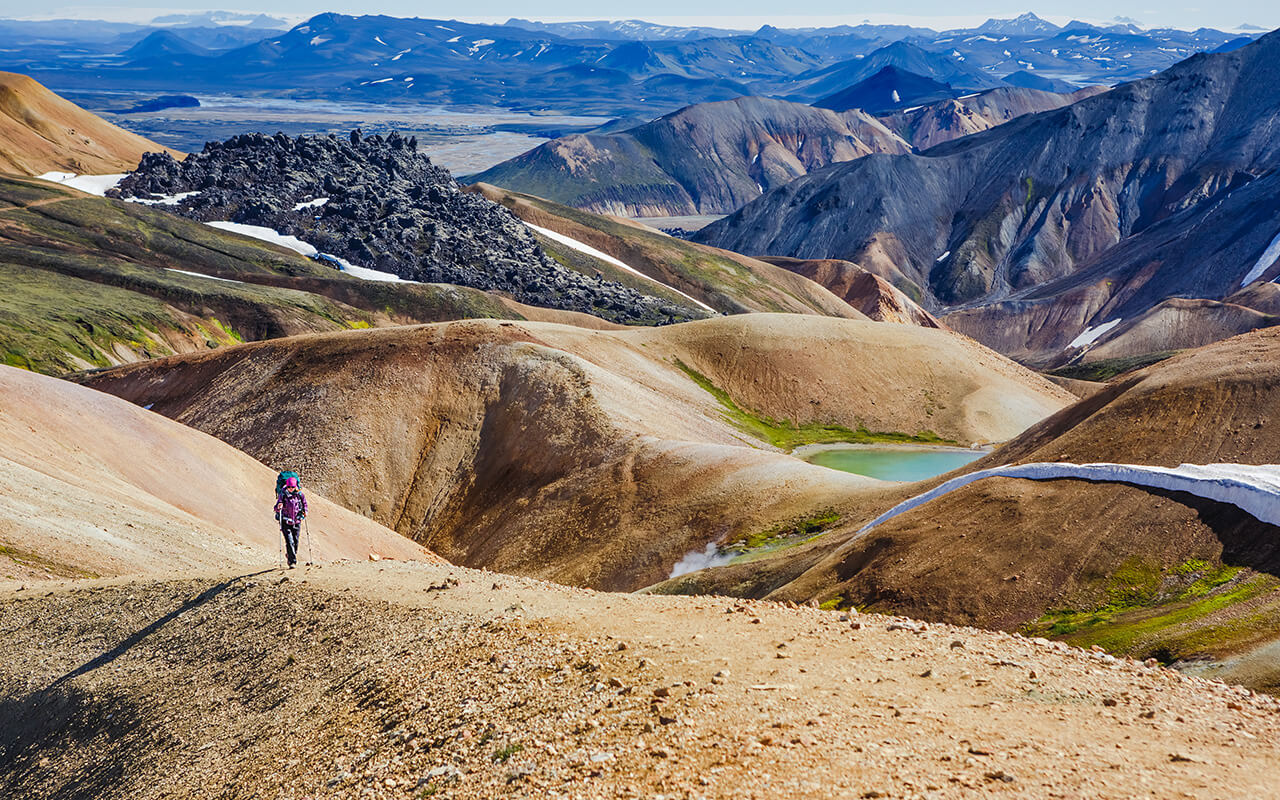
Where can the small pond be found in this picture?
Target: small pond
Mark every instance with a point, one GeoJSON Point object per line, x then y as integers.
{"type": "Point", "coordinates": [889, 463]}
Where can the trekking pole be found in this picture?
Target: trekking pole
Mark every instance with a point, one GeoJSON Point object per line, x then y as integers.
{"type": "Point", "coordinates": [311, 556]}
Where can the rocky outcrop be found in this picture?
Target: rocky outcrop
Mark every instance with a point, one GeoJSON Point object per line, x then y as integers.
{"type": "Point", "coordinates": [379, 203]}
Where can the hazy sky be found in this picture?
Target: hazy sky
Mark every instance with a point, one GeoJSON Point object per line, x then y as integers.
{"type": "Point", "coordinates": [1225, 14]}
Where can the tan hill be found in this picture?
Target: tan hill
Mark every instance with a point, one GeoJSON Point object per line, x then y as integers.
{"type": "Point", "coordinates": [93, 485]}
{"type": "Point", "coordinates": [41, 132]}
{"type": "Point", "coordinates": [597, 458]}
{"type": "Point", "coordinates": [1141, 572]}
{"type": "Point", "coordinates": [725, 281]}
{"type": "Point", "coordinates": [860, 288]}
{"type": "Point", "coordinates": [391, 682]}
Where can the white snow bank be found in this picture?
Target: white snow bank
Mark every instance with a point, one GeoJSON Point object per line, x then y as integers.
{"type": "Point", "coordinates": [1267, 258]}
{"type": "Point", "coordinates": [701, 559]}
{"type": "Point", "coordinates": [267, 235]}
{"type": "Point", "coordinates": [92, 184]}
{"type": "Point", "coordinates": [202, 275]}
{"type": "Point", "coordinates": [1090, 335]}
{"type": "Point", "coordinates": [298, 246]}
{"type": "Point", "coordinates": [1254, 489]}
{"type": "Point", "coordinates": [319, 201]}
{"type": "Point", "coordinates": [581, 247]}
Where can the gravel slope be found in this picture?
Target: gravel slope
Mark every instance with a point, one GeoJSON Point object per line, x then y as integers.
{"type": "Point", "coordinates": [412, 680]}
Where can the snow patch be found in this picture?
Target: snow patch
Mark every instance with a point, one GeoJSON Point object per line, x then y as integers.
{"type": "Point", "coordinates": [942, 257]}
{"type": "Point", "coordinates": [1254, 489]}
{"type": "Point", "coordinates": [1090, 335]}
{"type": "Point", "coordinates": [378, 39]}
{"type": "Point", "coordinates": [316, 41]}
{"type": "Point", "coordinates": [594, 253]}
{"type": "Point", "coordinates": [700, 559]}
{"type": "Point", "coordinates": [91, 184]}
{"type": "Point", "coordinates": [164, 200]}
{"type": "Point", "coordinates": [319, 201]}
{"type": "Point", "coordinates": [202, 275]}
{"type": "Point", "coordinates": [266, 235]}
{"type": "Point", "coordinates": [380, 80]}
{"type": "Point", "coordinates": [897, 98]}
{"type": "Point", "coordinates": [1267, 258]}
{"type": "Point", "coordinates": [298, 246]}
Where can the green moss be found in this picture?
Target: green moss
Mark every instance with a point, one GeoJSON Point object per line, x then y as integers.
{"type": "Point", "coordinates": [227, 331]}
{"type": "Point", "coordinates": [30, 560]}
{"type": "Point", "coordinates": [832, 604]}
{"type": "Point", "coordinates": [1163, 612]}
{"type": "Point", "coordinates": [786, 435]}
{"type": "Point", "coordinates": [504, 753]}
{"type": "Point", "coordinates": [804, 528]}
{"type": "Point", "coordinates": [1109, 368]}
{"type": "Point", "coordinates": [358, 324]}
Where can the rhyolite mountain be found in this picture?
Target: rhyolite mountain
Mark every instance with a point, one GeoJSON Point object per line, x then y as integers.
{"type": "Point", "coordinates": [42, 132]}
{"type": "Point", "coordinates": [709, 158]}
{"type": "Point", "coordinates": [712, 158]}
{"type": "Point", "coordinates": [935, 123]}
{"type": "Point", "coordinates": [379, 203]}
{"type": "Point", "coordinates": [1035, 230]}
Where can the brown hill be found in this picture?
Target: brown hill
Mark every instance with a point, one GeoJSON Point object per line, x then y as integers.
{"type": "Point", "coordinates": [93, 485]}
{"type": "Point", "coordinates": [1143, 572]}
{"type": "Point", "coordinates": [864, 290]}
{"type": "Point", "coordinates": [598, 458]}
{"type": "Point", "coordinates": [1178, 324]}
{"type": "Point", "coordinates": [389, 682]}
{"type": "Point", "coordinates": [41, 132]}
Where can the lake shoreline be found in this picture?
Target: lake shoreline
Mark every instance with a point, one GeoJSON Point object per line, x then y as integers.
{"type": "Point", "coordinates": [805, 451]}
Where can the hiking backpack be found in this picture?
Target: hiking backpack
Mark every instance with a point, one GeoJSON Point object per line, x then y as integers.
{"type": "Point", "coordinates": [284, 476]}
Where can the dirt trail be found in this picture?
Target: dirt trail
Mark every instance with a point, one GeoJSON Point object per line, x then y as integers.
{"type": "Point", "coordinates": [411, 680]}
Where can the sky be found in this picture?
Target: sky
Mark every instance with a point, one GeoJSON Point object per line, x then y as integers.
{"type": "Point", "coordinates": [743, 14]}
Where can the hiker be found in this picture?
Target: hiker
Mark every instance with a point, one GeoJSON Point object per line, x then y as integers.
{"type": "Point", "coordinates": [291, 510]}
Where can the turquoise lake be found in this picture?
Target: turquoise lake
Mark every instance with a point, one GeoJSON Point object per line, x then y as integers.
{"type": "Point", "coordinates": [894, 463]}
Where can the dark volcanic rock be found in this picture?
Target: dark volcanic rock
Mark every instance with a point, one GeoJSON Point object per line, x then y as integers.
{"type": "Point", "coordinates": [388, 208]}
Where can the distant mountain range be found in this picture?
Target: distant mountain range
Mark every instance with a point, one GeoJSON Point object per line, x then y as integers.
{"type": "Point", "coordinates": [1060, 230]}
{"type": "Point", "coordinates": [610, 68]}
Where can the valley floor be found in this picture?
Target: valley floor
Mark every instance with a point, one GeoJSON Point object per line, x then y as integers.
{"type": "Point", "coordinates": [395, 679]}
